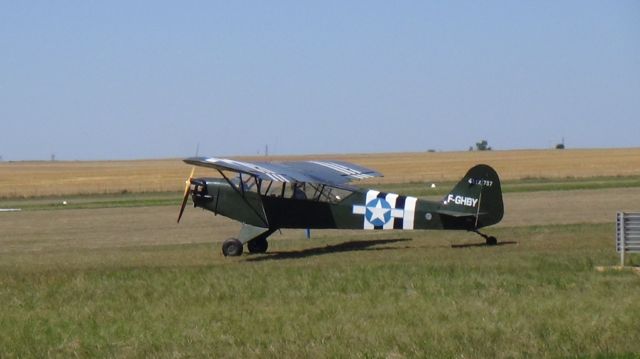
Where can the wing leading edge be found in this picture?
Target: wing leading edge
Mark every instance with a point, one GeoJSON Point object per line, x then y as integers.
{"type": "Point", "coordinates": [327, 172]}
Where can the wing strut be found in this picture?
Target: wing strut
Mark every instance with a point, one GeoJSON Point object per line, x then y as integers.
{"type": "Point", "coordinates": [262, 216]}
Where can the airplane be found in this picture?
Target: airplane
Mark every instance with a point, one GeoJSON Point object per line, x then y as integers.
{"type": "Point", "coordinates": [268, 196]}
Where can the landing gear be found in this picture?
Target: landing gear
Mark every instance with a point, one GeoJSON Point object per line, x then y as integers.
{"type": "Point", "coordinates": [254, 237]}
{"type": "Point", "coordinates": [490, 240]}
{"type": "Point", "coordinates": [258, 245]}
{"type": "Point", "coordinates": [232, 247]}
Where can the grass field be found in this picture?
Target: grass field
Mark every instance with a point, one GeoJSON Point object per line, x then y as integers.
{"type": "Point", "coordinates": [112, 275]}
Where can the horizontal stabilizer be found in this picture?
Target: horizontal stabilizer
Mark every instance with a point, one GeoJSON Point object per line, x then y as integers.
{"type": "Point", "coordinates": [459, 214]}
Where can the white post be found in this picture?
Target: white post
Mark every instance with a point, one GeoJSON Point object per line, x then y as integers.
{"type": "Point", "coordinates": [622, 244]}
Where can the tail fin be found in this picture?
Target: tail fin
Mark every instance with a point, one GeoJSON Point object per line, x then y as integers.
{"type": "Point", "coordinates": [477, 195]}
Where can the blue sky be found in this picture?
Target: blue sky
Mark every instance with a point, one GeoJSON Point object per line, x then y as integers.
{"type": "Point", "coordinates": [152, 79]}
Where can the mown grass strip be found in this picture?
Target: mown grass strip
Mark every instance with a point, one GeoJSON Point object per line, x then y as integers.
{"type": "Point", "coordinates": [410, 189]}
{"type": "Point", "coordinates": [94, 201]}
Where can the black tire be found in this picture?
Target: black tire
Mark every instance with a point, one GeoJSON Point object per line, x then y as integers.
{"type": "Point", "coordinates": [232, 247]}
{"type": "Point", "coordinates": [258, 245]}
{"type": "Point", "coordinates": [492, 241]}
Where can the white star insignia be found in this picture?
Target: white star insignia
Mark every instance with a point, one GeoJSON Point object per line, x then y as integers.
{"type": "Point", "coordinates": [378, 212]}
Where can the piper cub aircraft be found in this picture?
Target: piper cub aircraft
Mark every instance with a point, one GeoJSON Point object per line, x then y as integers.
{"type": "Point", "coordinates": [268, 196]}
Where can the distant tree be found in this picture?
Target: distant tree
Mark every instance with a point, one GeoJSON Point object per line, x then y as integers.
{"type": "Point", "coordinates": [560, 146]}
{"type": "Point", "coordinates": [483, 146]}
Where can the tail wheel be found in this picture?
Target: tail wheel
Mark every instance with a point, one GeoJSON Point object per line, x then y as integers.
{"type": "Point", "coordinates": [489, 240]}
{"type": "Point", "coordinates": [258, 245]}
{"type": "Point", "coordinates": [232, 247]}
{"type": "Point", "coordinates": [492, 241]}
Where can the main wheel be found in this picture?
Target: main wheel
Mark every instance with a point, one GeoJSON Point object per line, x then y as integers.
{"type": "Point", "coordinates": [232, 247]}
{"type": "Point", "coordinates": [258, 245]}
{"type": "Point", "coordinates": [492, 241]}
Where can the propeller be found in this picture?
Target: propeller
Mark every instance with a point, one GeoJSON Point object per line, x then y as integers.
{"type": "Point", "coordinates": [186, 193]}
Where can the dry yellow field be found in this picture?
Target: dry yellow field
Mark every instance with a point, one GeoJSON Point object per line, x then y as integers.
{"type": "Point", "coordinates": [31, 179]}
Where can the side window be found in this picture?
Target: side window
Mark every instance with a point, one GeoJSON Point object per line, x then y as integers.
{"type": "Point", "coordinates": [298, 191]}
{"type": "Point", "coordinates": [272, 188]}
{"type": "Point", "coordinates": [304, 191]}
{"type": "Point", "coordinates": [248, 183]}
{"type": "Point", "coordinates": [333, 194]}
{"type": "Point", "coordinates": [294, 190]}
{"type": "Point", "coordinates": [278, 189]}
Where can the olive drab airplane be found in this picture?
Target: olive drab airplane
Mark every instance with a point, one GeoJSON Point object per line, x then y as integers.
{"type": "Point", "coordinates": [268, 196]}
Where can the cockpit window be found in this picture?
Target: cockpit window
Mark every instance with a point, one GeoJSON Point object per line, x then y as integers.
{"type": "Point", "coordinates": [325, 193]}
{"type": "Point", "coordinates": [304, 191]}
{"type": "Point", "coordinates": [245, 183]}
{"type": "Point", "coordinates": [333, 194]}
{"type": "Point", "coordinates": [272, 188]}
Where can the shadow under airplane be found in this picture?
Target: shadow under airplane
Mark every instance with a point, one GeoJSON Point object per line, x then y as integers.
{"type": "Point", "coordinates": [337, 248]}
{"type": "Point", "coordinates": [482, 244]}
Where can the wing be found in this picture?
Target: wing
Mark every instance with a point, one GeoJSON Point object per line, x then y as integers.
{"type": "Point", "coordinates": [326, 172]}
{"type": "Point", "coordinates": [263, 170]}
{"type": "Point", "coordinates": [332, 172]}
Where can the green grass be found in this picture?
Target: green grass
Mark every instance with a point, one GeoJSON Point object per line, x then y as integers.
{"type": "Point", "coordinates": [413, 189]}
{"type": "Point", "coordinates": [94, 201]}
{"type": "Point", "coordinates": [380, 295]}
{"type": "Point", "coordinates": [342, 294]}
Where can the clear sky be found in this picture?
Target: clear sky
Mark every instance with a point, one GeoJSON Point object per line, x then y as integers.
{"type": "Point", "coordinates": [152, 79]}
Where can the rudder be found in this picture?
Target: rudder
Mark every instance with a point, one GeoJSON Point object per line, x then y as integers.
{"type": "Point", "coordinates": [478, 194]}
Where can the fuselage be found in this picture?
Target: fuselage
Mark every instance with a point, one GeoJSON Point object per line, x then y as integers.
{"type": "Point", "coordinates": [324, 207]}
